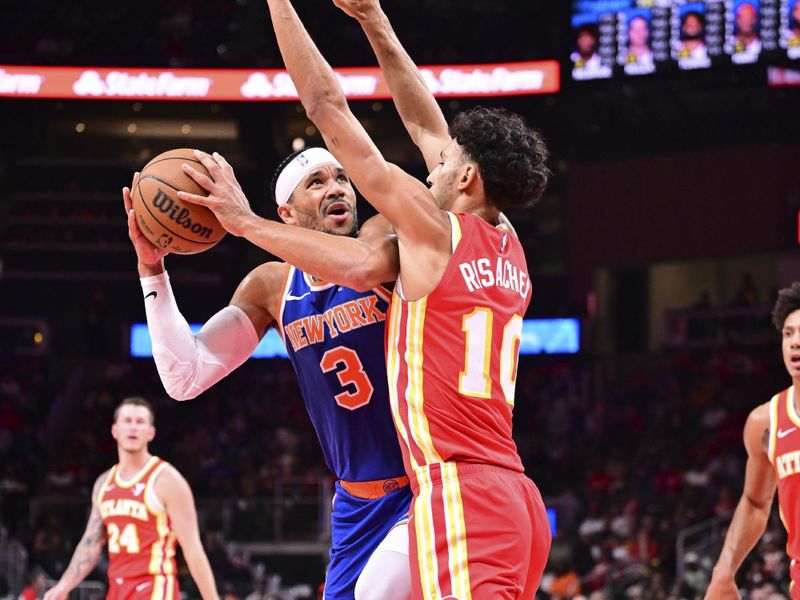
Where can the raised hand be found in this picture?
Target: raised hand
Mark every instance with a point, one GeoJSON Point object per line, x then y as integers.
{"type": "Point", "coordinates": [359, 9]}
{"type": "Point", "coordinates": [149, 256]}
{"type": "Point", "coordinates": [225, 196]}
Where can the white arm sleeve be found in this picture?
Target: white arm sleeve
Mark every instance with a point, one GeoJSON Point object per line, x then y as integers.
{"type": "Point", "coordinates": [190, 364]}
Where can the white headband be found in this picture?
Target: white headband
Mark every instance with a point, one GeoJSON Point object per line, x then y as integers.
{"type": "Point", "coordinates": [300, 166]}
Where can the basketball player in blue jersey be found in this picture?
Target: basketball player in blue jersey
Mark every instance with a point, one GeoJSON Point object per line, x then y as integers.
{"type": "Point", "coordinates": [335, 339]}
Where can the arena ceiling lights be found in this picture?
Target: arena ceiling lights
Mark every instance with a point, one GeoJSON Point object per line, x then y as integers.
{"type": "Point", "coordinates": [232, 85]}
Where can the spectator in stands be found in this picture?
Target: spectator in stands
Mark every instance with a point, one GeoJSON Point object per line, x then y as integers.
{"type": "Point", "coordinates": [747, 295]}
{"type": "Point", "coordinates": [695, 578]}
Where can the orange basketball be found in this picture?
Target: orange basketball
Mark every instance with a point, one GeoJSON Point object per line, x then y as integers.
{"type": "Point", "coordinates": [180, 227]}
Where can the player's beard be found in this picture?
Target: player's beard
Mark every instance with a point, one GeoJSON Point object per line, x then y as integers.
{"type": "Point", "coordinates": [309, 220]}
{"type": "Point", "coordinates": [443, 194]}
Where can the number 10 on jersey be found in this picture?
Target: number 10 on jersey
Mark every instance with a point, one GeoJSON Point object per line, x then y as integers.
{"type": "Point", "coordinates": [475, 380]}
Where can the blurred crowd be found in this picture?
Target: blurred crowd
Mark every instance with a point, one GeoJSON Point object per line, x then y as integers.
{"type": "Point", "coordinates": [654, 448]}
{"type": "Point", "coordinates": [629, 455]}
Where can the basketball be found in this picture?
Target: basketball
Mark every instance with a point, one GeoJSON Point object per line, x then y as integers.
{"type": "Point", "coordinates": [165, 220]}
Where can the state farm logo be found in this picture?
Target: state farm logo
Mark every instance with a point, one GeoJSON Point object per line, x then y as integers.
{"type": "Point", "coordinates": [120, 83]}
{"type": "Point", "coordinates": [480, 81]}
{"type": "Point", "coordinates": [20, 83]}
{"type": "Point", "coordinates": [259, 85]}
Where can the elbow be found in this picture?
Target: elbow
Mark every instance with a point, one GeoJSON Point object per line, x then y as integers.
{"type": "Point", "coordinates": [361, 285]}
{"type": "Point", "coordinates": [181, 394]}
{"type": "Point", "coordinates": [759, 508]}
{"type": "Point", "coordinates": [365, 276]}
{"type": "Point", "coordinates": [178, 389]}
{"type": "Point", "coordinates": [417, 134]}
{"type": "Point", "coordinates": [179, 377]}
{"type": "Point", "coordinates": [325, 107]}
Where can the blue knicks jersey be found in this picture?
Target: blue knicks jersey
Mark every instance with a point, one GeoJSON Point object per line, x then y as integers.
{"type": "Point", "coordinates": [335, 340]}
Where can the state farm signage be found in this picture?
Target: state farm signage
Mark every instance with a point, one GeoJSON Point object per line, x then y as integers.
{"type": "Point", "coordinates": [222, 85]}
{"type": "Point", "coordinates": [263, 86]}
{"type": "Point", "coordinates": [460, 81]}
{"type": "Point", "coordinates": [20, 84]}
{"type": "Point", "coordinates": [121, 83]}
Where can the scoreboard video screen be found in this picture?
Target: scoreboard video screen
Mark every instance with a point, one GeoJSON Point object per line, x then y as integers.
{"type": "Point", "coordinates": [639, 37]}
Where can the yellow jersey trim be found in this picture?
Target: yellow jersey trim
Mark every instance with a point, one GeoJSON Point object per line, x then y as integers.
{"type": "Point", "coordinates": [790, 407]}
{"type": "Point", "coordinates": [126, 484]}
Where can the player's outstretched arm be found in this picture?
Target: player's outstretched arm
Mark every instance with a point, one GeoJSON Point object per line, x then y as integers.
{"type": "Point", "coordinates": [358, 263]}
{"type": "Point", "coordinates": [87, 552]}
{"type": "Point", "coordinates": [421, 115]}
{"type": "Point", "coordinates": [187, 363]}
{"type": "Point", "coordinates": [752, 513]}
{"type": "Point", "coordinates": [173, 490]}
{"type": "Point", "coordinates": [419, 111]}
{"type": "Point", "coordinates": [404, 201]}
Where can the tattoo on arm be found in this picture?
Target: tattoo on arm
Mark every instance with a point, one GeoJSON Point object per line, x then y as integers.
{"type": "Point", "coordinates": [94, 538]}
{"type": "Point", "coordinates": [89, 548]}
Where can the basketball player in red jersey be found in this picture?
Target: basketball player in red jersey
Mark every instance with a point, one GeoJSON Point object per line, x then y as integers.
{"type": "Point", "coordinates": [140, 508]}
{"type": "Point", "coordinates": [479, 526]}
{"type": "Point", "coordinates": [772, 440]}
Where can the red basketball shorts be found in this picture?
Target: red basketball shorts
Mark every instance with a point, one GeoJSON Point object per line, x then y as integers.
{"type": "Point", "coordinates": [476, 532]}
{"type": "Point", "coordinates": [149, 587]}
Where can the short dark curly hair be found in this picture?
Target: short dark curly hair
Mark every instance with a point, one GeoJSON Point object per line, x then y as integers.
{"type": "Point", "coordinates": [511, 156]}
{"type": "Point", "coordinates": [788, 302]}
{"type": "Point", "coordinates": [274, 183]}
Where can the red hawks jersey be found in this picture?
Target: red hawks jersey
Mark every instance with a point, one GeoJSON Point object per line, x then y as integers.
{"type": "Point", "coordinates": [452, 356]}
{"type": "Point", "coordinates": [140, 539]}
{"type": "Point", "coordinates": [784, 454]}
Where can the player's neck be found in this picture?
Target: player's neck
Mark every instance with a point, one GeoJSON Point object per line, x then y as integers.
{"type": "Point", "coordinates": [130, 463]}
{"type": "Point", "coordinates": [476, 206]}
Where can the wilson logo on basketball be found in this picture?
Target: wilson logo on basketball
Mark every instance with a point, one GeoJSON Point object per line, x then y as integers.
{"type": "Point", "coordinates": [166, 205]}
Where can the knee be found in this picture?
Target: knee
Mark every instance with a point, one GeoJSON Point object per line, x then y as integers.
{"type": "Point", "coordinates": [374, 590]}
{"type": "Point", "coordinates": [384, 584]}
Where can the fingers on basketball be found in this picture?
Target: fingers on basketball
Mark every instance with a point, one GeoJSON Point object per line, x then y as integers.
{"type": "Point", "coordinates": [133, 229]}
{"type": "Point", "coordinates": [173, 222]}
{"type": "Point", "coordinates": [126, 193]}
{"type": "Point", "coordinates": [225, 169]}
{"type": "Point", "coordinates": [194, 198]}
{"type": "Point", "coordinates": [202, 180]}
{"type": "Point", "coordinates": [214, 167]}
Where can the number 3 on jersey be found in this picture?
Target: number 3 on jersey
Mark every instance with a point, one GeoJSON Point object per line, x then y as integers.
{"type": "Point", "coordinates": [352, 374]}
{"type": "Point", "coordinates": [475, 380]}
